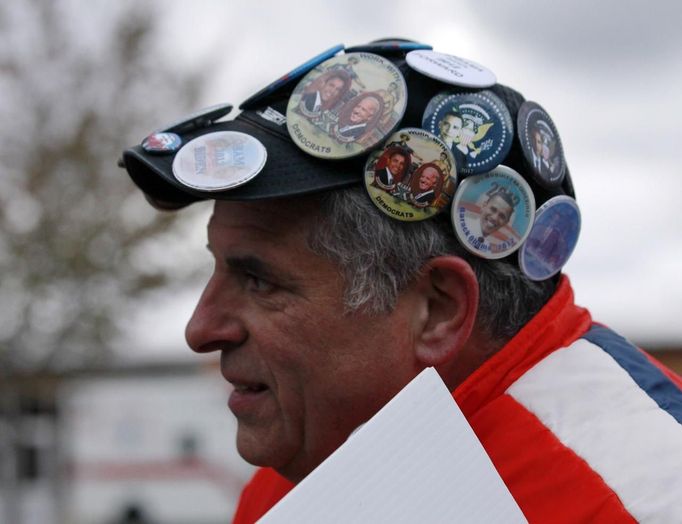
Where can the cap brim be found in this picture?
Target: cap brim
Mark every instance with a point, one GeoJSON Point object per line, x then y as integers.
{"type": "Point", "coordinates": [288, 171]}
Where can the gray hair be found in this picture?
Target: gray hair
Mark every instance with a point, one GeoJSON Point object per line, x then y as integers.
{"type": "Point", "coordinates": [380, 257]}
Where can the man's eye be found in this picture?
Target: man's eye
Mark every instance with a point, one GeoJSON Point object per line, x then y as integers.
{"type": "Point", "coordinates": [255, 283]}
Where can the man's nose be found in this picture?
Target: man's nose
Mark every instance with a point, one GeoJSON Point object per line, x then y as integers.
{"type": "Point", "coordinates": [215, 324]}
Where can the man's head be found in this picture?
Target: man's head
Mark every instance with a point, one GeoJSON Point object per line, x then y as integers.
{"type": "Point", "coordinates": [396, 163]}
{"type": "Point", "coordinates": [428, 178]}
{"type": "Point", "coordinates": [450, 127]}
{"type": "Point", "coordinates": [331, 88]}
{"type": "Point", "coordinates": [495, 213]}
{"type": "Point", "coordinates": [541, 144]}
{"type": "Point", "coordinates": [364, 110]}
{"type": "Point", "coordinates": [306, 369]}
{"type": "Point", "coordinates": [313, 299]}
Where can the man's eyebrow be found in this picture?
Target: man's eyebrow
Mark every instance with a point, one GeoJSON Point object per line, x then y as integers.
{"type": "Point", "coordinates": [249, 264]}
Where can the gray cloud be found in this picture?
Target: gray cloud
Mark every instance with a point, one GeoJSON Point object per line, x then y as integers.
{"type": "Point", "coordinates": [606, 36]}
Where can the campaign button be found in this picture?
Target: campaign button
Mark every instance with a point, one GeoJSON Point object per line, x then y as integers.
{"type": "Point", "coordinates": [219, 161]}
{"type": "Point", "coordinates": [346, 105]}
{"type": "Point", "coordinates": [451, 69]}
{"type": "Point", "coordinates": [201, 118]}
{"type": "Point", "coordinates": [413, 177]}
{"type": "Point", "coordinates": [552, 239]}
{"type": "Point", "coordinates": [284, 80]}
{"type": "Point", "coordinates": [541, 145]}
{"type": "Point", "coordinates": [389, 46]}
{"type": "Point", "coordinates": [161, 143]}
{"type": "Point", "coordinates": [492, 213]}
{"type": "Point", "coordinates": [477, 127]}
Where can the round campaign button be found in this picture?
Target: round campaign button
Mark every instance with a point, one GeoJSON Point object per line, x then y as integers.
{"type": "Point", "coordinates": [492, 213]}
{"type": "Point", "coordinates": [389, 46]}
{"type": "Point", "coordinates": [218, 161]}
{"type": "Point", "coordinates": [541, 145]}
{"type": "Point", "coordinates": [200, 118]}
{"type": "Point", "coordinates": [552, 239]}
{"type": "Point", "coordinates": [413, 177]}
{"type": "Point", "coordinates": [161, 143]}
{"type": "Point", "coordinates": [294, 74]}
{"type": "Point", "coordinates": [477, 127]}
{"type": "Point", "coordinates": [451, 69]}
{"type": "Point", "coordinates": [346, 105]}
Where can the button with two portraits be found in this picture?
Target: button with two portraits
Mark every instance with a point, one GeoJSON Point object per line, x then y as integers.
{"type": "Point", "coordinates": [346, 105]}
{"type": "Point", "coordinates": [413, 177]}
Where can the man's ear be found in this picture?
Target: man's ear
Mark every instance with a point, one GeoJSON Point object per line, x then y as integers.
{"type": "Point", "coordinates": [449, 289]}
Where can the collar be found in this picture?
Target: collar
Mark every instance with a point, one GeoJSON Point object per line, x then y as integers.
{"type": "Point", "coordinates": [556, 325]}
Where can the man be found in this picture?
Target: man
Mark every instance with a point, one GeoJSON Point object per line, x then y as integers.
{"type": "Point", "coordinates": [393, 172]}
{"type": "Point", "coordinates": [324, 98]}
{"type": "Point", "coordinates": [541, 153]}
{"type": "Point", "coordinates": [457, 134]}
{"type": "Point", "coordinates": [322, 308]}
{"type": "Point", "coordinates": [495, 213]}
{"type": "Point", "coordinates": [363, 111]}
{"type": "Point", "coordinates": [426, 187]}
{"type": "Point", "coordinates": [450, 128]}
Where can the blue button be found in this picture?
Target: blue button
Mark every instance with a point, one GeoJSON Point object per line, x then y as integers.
{"type": "Point", "coordinates": [552, 239]}
{"type": "Point", "coordinates": [541, 145]}
{"type": "Point", "coordinates": [476, 126]}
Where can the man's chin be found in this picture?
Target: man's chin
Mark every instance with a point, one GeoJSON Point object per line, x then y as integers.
{"type": "Point", "coordinates": [256, 449]}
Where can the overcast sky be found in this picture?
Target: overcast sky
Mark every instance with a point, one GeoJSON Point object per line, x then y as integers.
{"type": "Point", "coordinates": [608, 72]}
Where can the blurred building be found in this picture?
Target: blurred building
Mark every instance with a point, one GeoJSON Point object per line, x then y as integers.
{"type": "Point", "coordinates": [144, 444]}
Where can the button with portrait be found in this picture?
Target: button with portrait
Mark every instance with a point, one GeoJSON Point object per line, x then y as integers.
{"type": "Point", "coordinates": [451, 69]}
{"type": "Point", "coordinates": [552, 239]}
{"type": "Point", "coordinates": [201, 118]}
{"type": "Point", "coordinates": [161, 143]}
{"type": "Point", "coordinates": [287, 79]}
{"type": "Point", "coordinates": [219, 161]}
{"type": "Point", "coordinates": [477, 127]}
{"type": "Point", "coordinates": [541, 145]}
{"type": "Point", "coordinates": [492, 213]}
{"type": "Point", "coordinates": [346, 105]}
{"type": "Point", "coordinates": [413, 177]}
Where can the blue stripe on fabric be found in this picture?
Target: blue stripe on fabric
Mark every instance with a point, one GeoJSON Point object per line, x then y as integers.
{"type": "Point", "coordinates": [647, 376]}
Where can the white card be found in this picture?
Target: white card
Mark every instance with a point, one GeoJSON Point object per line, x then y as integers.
{"type": "Point", "coordinates": [416, 460]}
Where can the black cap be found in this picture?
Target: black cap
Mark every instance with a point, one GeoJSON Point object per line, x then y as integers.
{"type": "Point", "coordinates": [289, 171]}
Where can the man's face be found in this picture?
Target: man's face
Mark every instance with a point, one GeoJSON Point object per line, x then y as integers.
{"type": "Point", "coordinates": [396, 164]}
{"type": "Point", "coordinates": [428, 179]}
{"type": "Point", "coordinates": [495, 213]}
{"type": "Point", "coordinates": [305, 374]}
{"type": "Point", "coordinates": [331, 89]}
{"type": "Point", "coordinates": [450, 127]}
{"type": "Point", "coordinates": [364, 110]}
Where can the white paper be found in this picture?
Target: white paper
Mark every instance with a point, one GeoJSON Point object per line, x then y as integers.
{"type": "Point", "coordinates": [417, 460]}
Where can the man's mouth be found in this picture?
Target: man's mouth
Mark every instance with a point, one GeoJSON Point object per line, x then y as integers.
{"type": "Point", "coordinates": [249, 388]}
{"type": "Point", "coordinates": [248, 398]}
